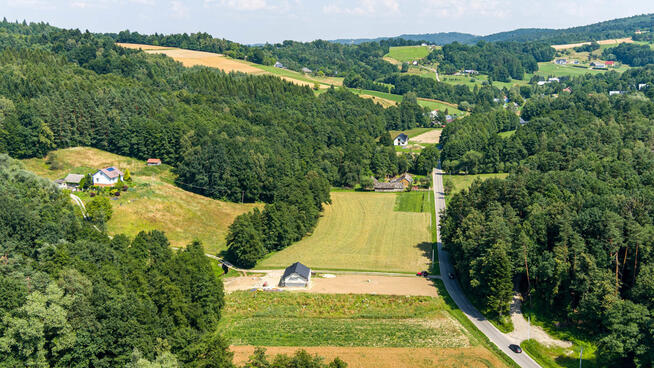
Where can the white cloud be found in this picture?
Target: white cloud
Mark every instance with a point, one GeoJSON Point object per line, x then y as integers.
{"type": "Point", "coordinates": [250, 5]}
{"type": "Point", "coordinates": [460, 8]}
{"type": "Point", "coordinates": [31, 4]}
{"type": "Point", "coordinates": [364, 7]}
{"type": "Point", "coordinates": [178, 9]}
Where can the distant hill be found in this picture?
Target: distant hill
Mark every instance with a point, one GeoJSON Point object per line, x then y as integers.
{"type": "Point", "coordinates": [441, 38]}
{"type": "Point", "coordinates": [616, 28]}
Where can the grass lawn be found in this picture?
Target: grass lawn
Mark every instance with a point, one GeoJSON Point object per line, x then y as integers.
{"type": "Point", "coordinates": [408, 53]}
{"type": "Point", "coordinates": [479, 79]}
{"type": "Point", "coordinates": [411, 132]}
{"type": "Point", "coordinates": [413, 202]}
{"type": "Point", "coordinates": [152, 202]}
{"type": "Point", "coordinates": [299, 76]}
{"type": "Point", "coordinates": [361, 231]}
{"type": "Point", "coordinates": [462, 182]}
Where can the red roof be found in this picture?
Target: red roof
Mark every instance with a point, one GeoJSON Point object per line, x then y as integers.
{"type": "Point", "coordinates": [154, 161]}
{"type": "Point", "coordinates": [609, 62]}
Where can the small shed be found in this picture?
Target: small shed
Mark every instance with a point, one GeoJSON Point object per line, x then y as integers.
{"type": "Point", "coordinates": [153, 162]}
{"type": "Point", "coordinates": [296, 275]}
{"type": "Point", "coordinates": [72, 181]}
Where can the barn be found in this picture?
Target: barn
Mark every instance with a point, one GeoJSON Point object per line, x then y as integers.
{"type": "Point", "coordinates": [296, 275]}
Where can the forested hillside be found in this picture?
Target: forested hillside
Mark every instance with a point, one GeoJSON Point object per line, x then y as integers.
{"type": "Point", "coordinates": [572, 226]}
{"type": "Point", "coordinates": [70, 296]}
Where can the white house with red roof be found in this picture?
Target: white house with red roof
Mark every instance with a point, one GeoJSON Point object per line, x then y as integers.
{"type": "Point", "coordinates": [107, 176]}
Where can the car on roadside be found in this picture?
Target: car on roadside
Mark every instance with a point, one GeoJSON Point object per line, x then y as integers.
{"type": "Point", "coordinates": [451, 275]}
{"type": "Point", "coordinates": [515, 348]}
{"type": "Point", "coordinates": [422, 273]}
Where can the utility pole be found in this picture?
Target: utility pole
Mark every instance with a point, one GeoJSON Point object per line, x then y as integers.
{"type": "Point", "coordinates": [580, 354]}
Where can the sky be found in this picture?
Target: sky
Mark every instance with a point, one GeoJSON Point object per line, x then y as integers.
{"type": "Point", "coordinates": [259, 21]}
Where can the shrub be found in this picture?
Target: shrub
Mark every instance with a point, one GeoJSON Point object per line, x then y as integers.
{"type": "Point", "coordinates": [99, 210]}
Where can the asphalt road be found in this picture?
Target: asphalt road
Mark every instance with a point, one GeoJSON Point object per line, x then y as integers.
{"type": "Point", "coordinates": [496, 336]}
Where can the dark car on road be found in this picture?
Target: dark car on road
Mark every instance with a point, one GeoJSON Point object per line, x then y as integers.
{"type": "Point", "coordinates": [516, 349]}
{"type": "Point", "coordinates": [451, 275]}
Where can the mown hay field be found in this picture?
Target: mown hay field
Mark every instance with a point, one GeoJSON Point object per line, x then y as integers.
{"type": "Point", "coordinates": [361, 231]}
{"type": "Point", "coordinates": [363, 330]}
{"type": "Point", "coordinates": [153, 201]}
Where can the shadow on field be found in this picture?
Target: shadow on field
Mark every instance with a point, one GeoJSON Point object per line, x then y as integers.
{"type": "Point", "coordinates": [426, 248]}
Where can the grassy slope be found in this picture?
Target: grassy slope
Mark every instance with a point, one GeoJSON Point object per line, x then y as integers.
{"type": "Point", "coordinates": [153, 202]}
{"type": "Point", "coordinates": [412, 202]}
{"type": "Point", "coordinates": [407, 53]}
{"type": "Point", "coordinates": [360, 231]}
{"type": "Point", "coordinates": [424, 102]}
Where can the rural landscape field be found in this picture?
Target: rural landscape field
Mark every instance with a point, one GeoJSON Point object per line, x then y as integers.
{"type": "Point", "coordinates": [261, 184]}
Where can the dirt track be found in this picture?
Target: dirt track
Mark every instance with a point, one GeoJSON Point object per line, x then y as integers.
{"type": "Point", "coordinates": [343, 284]}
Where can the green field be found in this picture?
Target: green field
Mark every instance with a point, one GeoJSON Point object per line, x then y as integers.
{"type": "Point", "coordinates": [546, 69]}
{"type": "Point", "coordinates": [300, 319]}
{"type": "Point", "coordinates": [410, 132]}
{"type": "Point", "coordinates": [507, 134]}
{"type": "Point", "coordinates": [153, 202]}
{"type": "Point", "coordinates": [424, 102]}
{"type": "Point", "coordinates": [299, 76]}
{"type": "Point", "coordinates": [413, 202]}
{"type": "Point", "coordinates": [462, 182]}
{"type": "Point", "coordinates": [361, 231]}
{"type": "Point", "coordinates": [408, 53]}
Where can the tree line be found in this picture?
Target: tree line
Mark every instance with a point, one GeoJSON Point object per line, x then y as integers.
{"type": "Point", "coordinates": [572, 225]}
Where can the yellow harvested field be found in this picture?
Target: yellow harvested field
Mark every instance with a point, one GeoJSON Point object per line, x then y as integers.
{"type": "Point", "coordinates": [614, 41]}
{"type": "Point", "coordinates": [361, 231]}
{"type": "Point", "coordinates": [432, 136]}
{"type": "Point", "coordinates": [153, 202]}
{"type": "Point", "coordinates": [383, 101]}
{"type": "Point", "coordinates": [367, 357]}
{"type": "Point", "coordinates": [190, 58]}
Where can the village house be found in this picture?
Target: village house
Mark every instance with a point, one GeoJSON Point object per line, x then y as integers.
{"type": "Point", "coordinates": [553, 79]}
{"type": "Point", "coordinates": [296, 275]}
{"type": "Point", "coordinates": [561, 61]}
{"type": "Point", "coordinates": [405, 179]}
{"type": "Point", "coordinates": [401, 140]}
{"type": "Point", "coordinates": [71, 181]}
{"type": "Point", "coordinates": [611, 93]}
{"type": "Point", "coordinates": [598, 65]}
{"type": "Point", "coordinates": [107, 176]}
{"type": "Point", "coordinates": [610, 63]}
{"type": "Point", "coordinates": [306, 70]}
{"type": "Point", "coordinates": [642, 86]}
{"type": "Point", "coordinates": [279, 65]}
{"type": "Point", "coordinates": [153, 162]}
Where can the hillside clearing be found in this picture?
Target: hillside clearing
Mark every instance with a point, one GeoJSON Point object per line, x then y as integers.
{"type": "Point", "coordinates": [407, 53]}
{"type": "Point", "coordinates": [361, 231]}
{"type": "Point", "coordinates": [190, 58]}
{"type": "Point", "coordinates": [614, 41]}
{"type": "Point", "coordinates": [462, 182]}
{"type": "Point", "coordinates": [153, 201]}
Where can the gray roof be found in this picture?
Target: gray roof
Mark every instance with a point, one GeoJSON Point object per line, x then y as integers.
{"type": "Point", "coordinates": [402, 136]}
{"type": "Point", "coordinates": [73, 178]}
{"type": "Point", "coordinates": [298, 268]}
{"type": "Point", "coordinates": [392, 185]}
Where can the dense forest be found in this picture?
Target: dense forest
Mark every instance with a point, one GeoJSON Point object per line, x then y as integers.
{"type": "Point", "coordinates": [630, 54]}
{"type": "Point", "coordinates": [71, 296]}
{"type": "Point", "coordinates": [572, 226]}
{"type": "Point", "coordinates": [502, 61]}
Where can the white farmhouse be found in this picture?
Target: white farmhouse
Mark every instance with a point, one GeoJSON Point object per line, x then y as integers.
{"type": "Point", "coordinates": [296, 275]}
{"type": "Point", "coordinates": [401, 140]}
{"type": "Point", "coordinates": [107, 176]}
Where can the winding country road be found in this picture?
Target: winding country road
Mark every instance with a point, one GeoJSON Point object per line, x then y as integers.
{"type": "Point", "coordinates": [498, 338]}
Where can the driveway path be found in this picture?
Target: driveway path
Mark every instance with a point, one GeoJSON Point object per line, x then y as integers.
{"type": "Point", "coordinates": [498, 338]}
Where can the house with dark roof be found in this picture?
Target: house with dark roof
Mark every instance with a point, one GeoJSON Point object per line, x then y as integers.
{"type": "Point", "coordinates": [107, 176]}
{"type": "Point", "coordinates": [296, 275]}
{"type": "Point", "coordinates": [401, 140]}
{"type": "Point", "coordinates": [71, 181]}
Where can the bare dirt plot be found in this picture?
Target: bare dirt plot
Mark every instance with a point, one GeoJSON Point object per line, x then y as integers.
{"type": "Point", "coordinates": [602, 42]}
{"type": "Point", "coordinates": [361, 231]}
{"type": "Point", "coordinates": [366, 357]}
{"type": "Point", "coordinates": [342, 284]}
{"type": "Point", "coordinates": [432, 136]}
